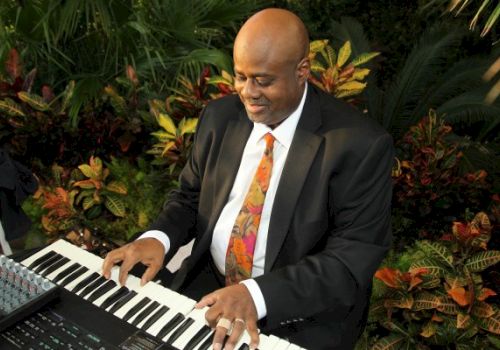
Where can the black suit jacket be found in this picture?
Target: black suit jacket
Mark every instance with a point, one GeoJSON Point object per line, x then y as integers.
{"type": "Point", "coordinates": [329, 226]}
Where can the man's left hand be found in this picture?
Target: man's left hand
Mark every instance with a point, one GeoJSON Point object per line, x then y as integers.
{"type": "Point", "coordinates": [235, 304]}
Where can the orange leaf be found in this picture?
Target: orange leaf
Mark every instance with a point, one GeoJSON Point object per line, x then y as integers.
{"type": "Point", "coordinates": [13, 65]}
{"type": "Point", "coordinates": [436, 318]}
{"type": "Point", "coordinates": [415, 281]}
{"type": "Point", "coordinates": [459, 295]}
{"type": "Point", "coordinates": [389, 276]}
{"type": "Point", "coordinates": [485, 293]}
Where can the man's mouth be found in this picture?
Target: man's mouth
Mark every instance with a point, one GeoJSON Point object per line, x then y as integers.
{"type": "Point", "coordinates": [255, 108]}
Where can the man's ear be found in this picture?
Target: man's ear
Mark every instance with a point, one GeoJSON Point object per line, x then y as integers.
{"type": "Point", "coordinates": [303, 69]}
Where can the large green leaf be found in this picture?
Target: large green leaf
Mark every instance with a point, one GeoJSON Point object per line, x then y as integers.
{"type": "Point", "coordinates": [437, 251]}
{"type": "Point", "coordinates": [482, 260]}
{"type": "Point", "coordinates": [432, 267]}
{"type": "Point", "coordinates": [115, 205]}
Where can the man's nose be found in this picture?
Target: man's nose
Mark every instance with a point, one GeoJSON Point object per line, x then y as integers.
{"type": "Point", "coordinates": [250, 89]}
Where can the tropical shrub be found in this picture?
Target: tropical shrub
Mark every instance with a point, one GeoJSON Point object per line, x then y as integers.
{"type": "Point", "coordinates": [331, 72]}
{"type": "Point", "coordinates": [429, 187]}
{"type": "Point", "coordinates": [441, 300]}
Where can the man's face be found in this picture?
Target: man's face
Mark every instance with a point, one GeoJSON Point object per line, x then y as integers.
{"type": "Point", "coordinates": [270, 87]}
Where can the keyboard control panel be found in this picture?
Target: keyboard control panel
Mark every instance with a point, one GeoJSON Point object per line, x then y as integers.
{"type": "Point", "coordinates": [22, 291]}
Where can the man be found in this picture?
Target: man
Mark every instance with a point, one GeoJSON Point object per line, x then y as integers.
{"type": "Point", "coordinates": [317, 210]}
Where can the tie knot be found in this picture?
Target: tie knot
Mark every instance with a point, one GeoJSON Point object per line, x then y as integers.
{"type": "Point", "coordinates": [269, 138]}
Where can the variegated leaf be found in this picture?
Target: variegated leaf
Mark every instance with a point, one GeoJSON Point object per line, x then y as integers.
{"type": "Point", "coordinates": [448, 306]}
{"type": "Point", "coordinates": [317, 45]}
{"type": "Point", "coordinates": [344, 54]}
{"type": "Point", "coordinates": [463, 320]}
{"type": "Point", "coordinates": [391, 342]}
{"type": "Point", "coordinates": [482, 260]}
{"type": "Point", "coordinates": [347, 93]}
{"type": "Point", "coordinates": [360, 74]}
{"type": "Point", "coordinates": [482, 309]}
{"type": "Point", "coordinates": [35, 101]}
{"type": "Point", "coordinates": [351, 85]}
{"type": "Point", "coordinates": [11, 108]}
{"type": "Point", "coordinates": [118, 102]}
{"type": "Point", "coordinates": [425, 301]}
{"type": "Point", "coordinates": [428, 330]}
{"type": "Point", "coordinates": [115, 205]}
{"type": "Point", "coordinates": [437, 251]}
{"type": "Point", "coordinates": [88, 202]}
{"type": "Point", "coordinates": [491, 324]}
{"type": "Point", "coordinates": [432, 267]}
{"type": "Point", "coordinates": [87, 171]}
{"type": "Point", "coordinates": [117, 187]}
{"type": "Point", "coordinates": [363, 58]}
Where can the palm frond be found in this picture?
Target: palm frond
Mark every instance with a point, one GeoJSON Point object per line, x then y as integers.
{"type": "Point", "coordinates": [419, 72]}
{"type": "Point", "coordinates": [349, 29]}
{"type": "Point", "coordinates": [461, 77]}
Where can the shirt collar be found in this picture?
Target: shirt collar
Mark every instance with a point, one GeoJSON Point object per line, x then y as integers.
{"type": "Point", "coordinates": [284, 132]}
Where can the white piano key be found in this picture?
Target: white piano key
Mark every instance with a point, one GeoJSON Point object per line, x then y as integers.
{"type": "Point", "coordinates": [281, 344]}
{"type": "Point", "coordinates": [121, 312]}
{"type": "Point", "coordinates": [162, 321]}
{"type": "Point", "coordinates": [77, 280]}
{"type": "Point", "coordinates": [265, 343]}
{"type": "Point", "coordinates": [186, 336]}
{"type": "Point", "coordinates": [293, 347]}
{"type": "Point", "coordinates": [244, 339]}
{"type": "Point", "coordinates": [103, 297]}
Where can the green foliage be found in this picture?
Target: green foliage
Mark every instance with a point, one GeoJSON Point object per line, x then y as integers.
{"type": "Point", "coordinates": [442, 299]}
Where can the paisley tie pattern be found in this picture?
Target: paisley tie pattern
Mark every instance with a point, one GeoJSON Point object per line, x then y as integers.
{"type": "Point", "coordinates": [239, 255]}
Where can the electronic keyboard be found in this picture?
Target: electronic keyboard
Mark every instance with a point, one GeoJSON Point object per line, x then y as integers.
{"type": "Point", "coordinates": [121, 317]}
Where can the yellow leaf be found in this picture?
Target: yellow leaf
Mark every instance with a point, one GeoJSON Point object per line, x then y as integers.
{"type": "Point", "coordinates": [167, 123]}
{"type": "Point", "coordinates": [360, 74]}
{"type": "Point", "coordinates": [428, 330]}
{"type": "Point", "coordinates": [167, 147]}
{"type": "Point", "coordinates": [344, 54]}
{"type": "Point", "coordinates": [317, 45]}
{"type": "Point", "coordinates": [188, 126]}
{"type": "Point", "coordinates": [352, 85]}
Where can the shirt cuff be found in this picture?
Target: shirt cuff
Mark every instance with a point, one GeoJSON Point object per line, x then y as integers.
{"type": "Point", "coordinates": [159, 235]}
{"type": "Point", "coordinates": [257, 296]}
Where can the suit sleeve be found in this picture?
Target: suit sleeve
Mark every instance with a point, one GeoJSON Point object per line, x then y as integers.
{"type": "Point", "coordinates": [330, 281]}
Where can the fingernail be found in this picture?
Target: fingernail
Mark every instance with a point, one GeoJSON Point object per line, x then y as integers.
{"type": "Point", "coordinates": [217, 346]}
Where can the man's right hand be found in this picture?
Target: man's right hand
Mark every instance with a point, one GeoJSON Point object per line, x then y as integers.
{"type": "Point", "coordinates": [148, 251]}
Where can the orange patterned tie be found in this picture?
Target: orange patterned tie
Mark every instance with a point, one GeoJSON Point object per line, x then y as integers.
{"type": "Point", "coordinates": [239, 255]}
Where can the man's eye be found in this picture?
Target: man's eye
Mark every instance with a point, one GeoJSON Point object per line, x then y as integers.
{"type": "Point", "coordinates": [239, 78]}
{"type": "Point", "coordinates": [263, 82]}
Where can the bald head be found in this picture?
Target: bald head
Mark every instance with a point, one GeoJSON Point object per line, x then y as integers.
{"type": "Point", "coordinates": [271, 65]}
{"type": "Point", "coordinates": [276, 32]}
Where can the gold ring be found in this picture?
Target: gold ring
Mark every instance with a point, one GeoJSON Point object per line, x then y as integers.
{"type": "Point", "coordinates": [224, 323]}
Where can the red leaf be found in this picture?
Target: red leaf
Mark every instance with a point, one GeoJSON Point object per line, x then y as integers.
{"type": "Point", "coordinates": [459, 295]}
{"type": "Point", "coordinates": [485, 293]}
{"type": "Point", "coordinates": [47, 93]}
{"type": "Point", "coordinates": [389, 276]}
{"type": "Point", "coordinates": [13, 65]}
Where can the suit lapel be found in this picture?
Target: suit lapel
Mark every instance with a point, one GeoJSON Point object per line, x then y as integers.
{"type": "Point", "coordinates": [302, 151]}
{"type": "Point", "coordinates": [228, 163]}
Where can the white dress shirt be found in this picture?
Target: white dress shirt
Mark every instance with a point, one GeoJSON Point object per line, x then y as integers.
{"type": "Point", "coordinates": [252, 154]}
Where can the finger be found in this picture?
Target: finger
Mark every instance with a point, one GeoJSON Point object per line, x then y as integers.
{"type": "Point", "coordinates": [207, 300]}
{"type": "Point", "coordinates": [253, 332]}
{"type": "Point", "coordinates": [238, 329]}
{"type": "Point", "coordinates": [112, 258]}
{"type": "Point", "coordinates": [219, 335]}
{"type": "Point", "coordinates": [127, 265]}
{"type": "Point", "coordinates": [150, 273]}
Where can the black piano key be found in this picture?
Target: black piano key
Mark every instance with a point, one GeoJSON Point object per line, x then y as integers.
{"type": "Point", "coordinates": [81, 270]}
{"type": "Point", "coordinates": [65, 272]}
{"type": "Point", "coordinates": [92, 287]}
{"type": "Point", "coordinates": [122, 301]}
{"type": "Point", "coordinates": [106, 287]}
{"type": "Point", "coordinates": [56, 265]}
{"type": "Point", "coordinates": [198, 337]}
{"type": "Point", "coordinates": [178, 332]}
{"type": "Point", "coordinates": [113, 298]}
{"type": "Point", "coordinates": [47, 263]}
{"type": "Point", "coordinates": [136, 308]}
{"type": "Point", "coordinates": [145, 313]}
{"type": "Point", "coordinates": [41, 259]}
{"type": "Point", "coordinates": [85, 282]}
{"type": "Point", "coordinates": [170, 325]}
{"type": "Point", "coordinates": [155, 317]}
{"type": "Point", "coordinates": [206, 344]}
{"type": "Point", "coordinates": [244, 347]}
